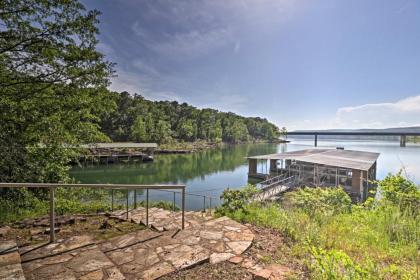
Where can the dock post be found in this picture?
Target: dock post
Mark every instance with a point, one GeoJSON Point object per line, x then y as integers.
{"type": "Point", "coordinates": [147, 207]}
{"type": "Point", "coordinates": [316, 140]}
{"type": "Point", "coordinates": [402, 140]}
{"type": "Point", "coordinates": [173, 205]}
{"type": "Point", "coordinates": [52, 214]}
{"type": "Point", "coordinates": [135, 198]}
{"type": "Point", "coordinates": [127, 203]}
{"type": "Point", "coordinates": [210, 205]}
{"type": "Point", "coordinates": [112, 200]}
{"type": "Point", "coordinates": [183, 208]}
{"type": "Point", "coordinates": [204, 203]}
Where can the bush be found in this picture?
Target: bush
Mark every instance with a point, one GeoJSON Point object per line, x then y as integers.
{"type": "Point", "coordinates": [235, 200]}
{"type": "Point", "coordinates": [329, 201]}
{"type": "Point", "coordinates": [335, 239]}
{"type": "Point", "coordinates": [397, 190]}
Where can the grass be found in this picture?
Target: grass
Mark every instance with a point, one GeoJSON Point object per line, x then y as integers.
{"type": "Point", "coordinates": [334, 239]}
{"type": "Point", "coordinates": [22, 204]}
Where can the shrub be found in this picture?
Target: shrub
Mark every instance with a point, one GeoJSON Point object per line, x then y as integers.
{"type": "Point", "coordinates": [235, 200]}
{"type": "Point", "coordinates": [397, 190]}
{"type": "Point", "coordinates": [330, 201]}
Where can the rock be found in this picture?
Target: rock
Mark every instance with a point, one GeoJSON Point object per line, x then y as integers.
{"type": "Point", "coordinates": [248, 263]}
{"type": "Point", "coordinates": [215, 235]}
{"type": "Point", "coordinates": [37, 231]}
{"type": "Point", "coordinates": [263, 274]}
{"type": "Point", "coordinates": [185, 256]}
{"type": "Point", "coordinates": [220, 257]}
{"type": "Point", "coordinates": [239, 236]}
{"type": "Point", "coordinates": [114, 274]}
{"type": "Point", "coordinates": [278, 271]}
{"type": "Point", "coordinates": [238, 247]}
{"type": "Point", "coordinates": [4, 230]}
{"type": "Point", "coordinates": [94, 275]}
{"type": "Point", "coordinates": [88, 261]}
{"type": "Point", "coordinates": [236, 259]}
{"type": "Point", "coordinates": [157, 271]}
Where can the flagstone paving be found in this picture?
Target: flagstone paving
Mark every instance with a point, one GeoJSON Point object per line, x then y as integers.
{"type": "Point", "coordinates": [10, 267]}
{"type": "Point", "coordinates": [145, 254]}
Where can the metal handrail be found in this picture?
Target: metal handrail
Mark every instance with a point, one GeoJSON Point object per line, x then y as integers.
{"type": "Point", "coordinates": [205, 198]}
{"type": "Point", "coordinates": [53, 186]}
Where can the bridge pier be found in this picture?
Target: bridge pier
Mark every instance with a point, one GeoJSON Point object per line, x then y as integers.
{"type": "Point", "coordinates": [403, 140]}
{"type": "Point", "coordinates": [316, 140]}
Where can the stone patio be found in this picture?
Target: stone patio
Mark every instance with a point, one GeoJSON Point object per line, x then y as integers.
{"type": "Point", "coordinates": [10, 267]}
{"type": "Point", "coordinates": [145, 254]}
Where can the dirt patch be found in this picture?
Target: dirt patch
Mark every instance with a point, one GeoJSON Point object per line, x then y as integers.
{"type": "Point", "coordinates": [268, 248]}
{"type": "Point", "coordinates": [100, 227]}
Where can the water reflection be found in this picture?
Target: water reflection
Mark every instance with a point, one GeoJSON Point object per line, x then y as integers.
{"type": "Point", "coordinates": [209, 172]}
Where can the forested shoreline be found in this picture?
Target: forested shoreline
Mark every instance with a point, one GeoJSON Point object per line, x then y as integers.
{"type": "Point", "coordinates": [138, 119]}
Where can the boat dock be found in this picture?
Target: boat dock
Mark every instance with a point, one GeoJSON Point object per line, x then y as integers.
{"type": "Point", "coordinates": [105, 153]}
{"type": "Point", "coordinates": [355, 171]}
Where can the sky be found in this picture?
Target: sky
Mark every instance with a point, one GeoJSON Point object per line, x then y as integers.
{"type": "Point", "coordinates": [300, 64]}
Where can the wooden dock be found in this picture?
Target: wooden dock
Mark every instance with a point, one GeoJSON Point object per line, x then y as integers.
{"type": "Point", "coordinates": [106, 153]}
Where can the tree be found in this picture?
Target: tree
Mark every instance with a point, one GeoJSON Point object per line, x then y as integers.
{"type": "Point", "coordinates": [162, 132]}
{"type": "Point", "coordinates": [186, 130]}
{"type": "Point", "coordinates": [52, 87]}
{"type": "Point", "coordinates": [283, 132]}
{"type": "Point", "coordinates": [138, 130]}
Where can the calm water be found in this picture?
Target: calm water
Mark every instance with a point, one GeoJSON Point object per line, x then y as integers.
{"type": "Point", "coordinates": [211, 171]}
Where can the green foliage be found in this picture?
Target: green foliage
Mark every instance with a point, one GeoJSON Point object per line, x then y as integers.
{"type": "Point", "coordinates": [335, 240]}
{"type": "Point", "coordinates": [402, 192]}
{"type": "Point", "coordinates": [52, 87]}
{"type": "Point", "coordinates": [27, 204]}
{"type": "Point", "coordinates": [235, 200]}
{"type": "Point", "coordinates": [329, 201]}
{"type": "Point", "coordinates": [143, 120]}
{"type": "Point", "coordinates": [335, 264]}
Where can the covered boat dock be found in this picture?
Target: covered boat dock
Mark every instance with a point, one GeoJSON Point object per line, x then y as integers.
{"type": "Point", "coordinates": [353, 170]}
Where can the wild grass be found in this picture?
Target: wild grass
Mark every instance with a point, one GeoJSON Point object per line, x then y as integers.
{"type": "Point", "coordinates": [18, 205]}
{"type": "Point", "coordinates": [334, 239]}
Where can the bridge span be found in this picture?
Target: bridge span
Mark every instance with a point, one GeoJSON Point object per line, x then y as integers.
{"type": "Point", "coordinates": [402, 135]}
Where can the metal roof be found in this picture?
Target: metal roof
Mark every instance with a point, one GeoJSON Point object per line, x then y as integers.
{"type": "Point", "coordinates": [332, 157]}
{"type": "Point", "coordinates": [121, 145]}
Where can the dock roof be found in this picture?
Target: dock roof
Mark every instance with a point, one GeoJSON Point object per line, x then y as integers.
{"type": "Point", "coordinates": [121, 145]}
{"type": "Point", "coordinates": [359, 160]}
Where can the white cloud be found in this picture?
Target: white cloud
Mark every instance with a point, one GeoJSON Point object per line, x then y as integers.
{"type": "Point", "coordinates": [401, 113]}
{"type": "Point", "coordinates": [134, 83]}
{"type": "Point", "coordinates": [404, 112]}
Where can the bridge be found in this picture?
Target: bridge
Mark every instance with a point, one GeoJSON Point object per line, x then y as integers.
{"type": "Point", "coordinates": [403, 135]}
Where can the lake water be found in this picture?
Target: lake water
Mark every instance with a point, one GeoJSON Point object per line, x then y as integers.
{"type": "Point", "coordinates": [211, 171]}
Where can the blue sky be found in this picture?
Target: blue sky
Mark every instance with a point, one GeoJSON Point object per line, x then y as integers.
{"type": "Point", "coordinates": [301, 64]}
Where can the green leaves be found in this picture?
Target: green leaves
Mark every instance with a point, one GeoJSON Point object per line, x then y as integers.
{"type": "Point", "coordinates": [235, 200]}
{"type": "Point", "coordinates": [52, 87]}
{"type": "Point", "coordinates": [142, 120]}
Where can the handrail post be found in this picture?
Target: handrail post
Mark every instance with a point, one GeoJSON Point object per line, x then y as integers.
{"type": "Point", "coordinates": [147, 207]}
{"type": "Point", "coordinates": [174, 203]}
{"type": "Point", "coordinates": [183, 208]}
{"type": "Point", "coordinates": [127, 203]}
{"type": "Point", "coordinates": [52, 214]}
{"type": "Point", "coordinates": [112, 200]}
{"type": "Point", "coordinates": [135, 198]}
{"type": "Point", "coordinates": [210, 204]}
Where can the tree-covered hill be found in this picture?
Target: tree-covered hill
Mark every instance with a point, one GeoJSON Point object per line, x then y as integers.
{"type": "Point", "coordinates": [138, 119]}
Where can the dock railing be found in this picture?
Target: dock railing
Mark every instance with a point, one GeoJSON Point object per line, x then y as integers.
{"type": "Point", "coordinates": [128, 187]}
